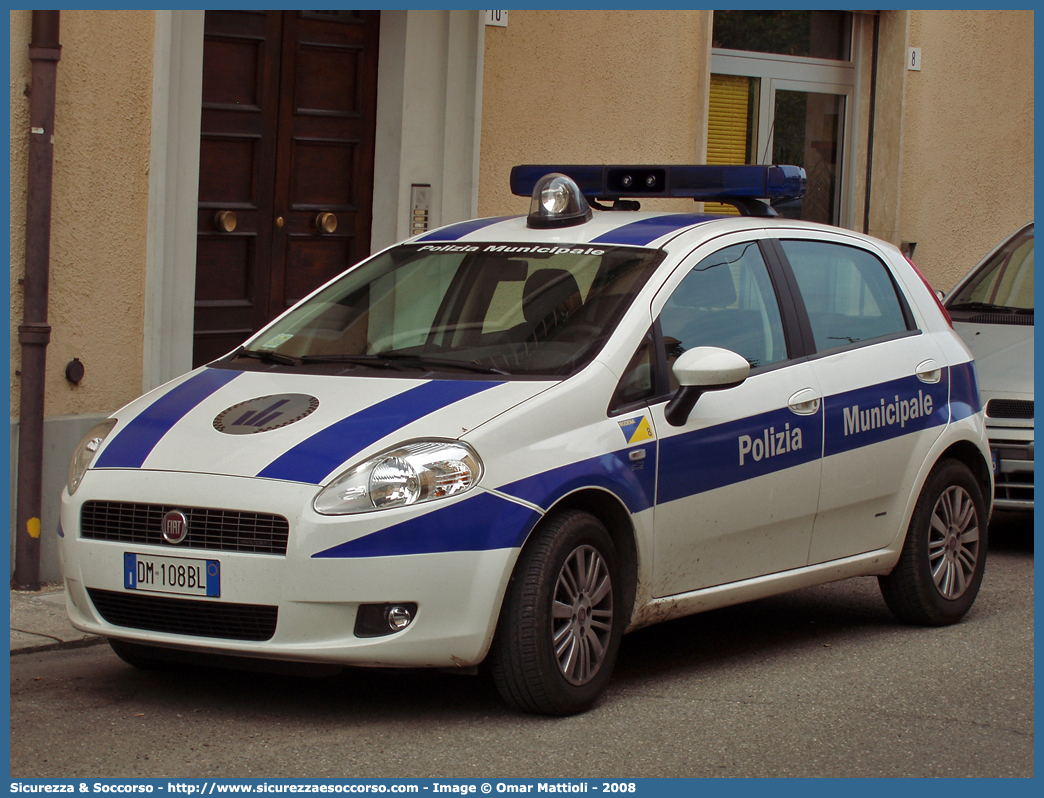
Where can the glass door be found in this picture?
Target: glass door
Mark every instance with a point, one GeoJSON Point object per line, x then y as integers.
{"type": "Point", "coordinates": [803, 124]}
{"type": "Point", "coordinates": [783, 90]}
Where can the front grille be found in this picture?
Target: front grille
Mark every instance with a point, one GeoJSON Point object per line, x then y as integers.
{"type": "Point", "coordinates": [219, 530]}
{"type": "Point", "coordinates": [185, 617]}
{"type": "Point", "coordinates": [1002, 318]}
{"type": "Point", "coordinates": [1014, 477]}
{"type": "Point", "coordinates": [1009, 408]}
{"type": "Point", "coordinates": [1016, 487]}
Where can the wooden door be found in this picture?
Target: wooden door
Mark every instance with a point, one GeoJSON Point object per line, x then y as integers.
{"type": "Point", "coordinates": [286, 146]}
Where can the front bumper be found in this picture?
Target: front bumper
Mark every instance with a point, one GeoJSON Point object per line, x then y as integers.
{"type": "Point", "coordinates": [1012, 450]}
{"type": "Point", "coordinates": [314, 601]}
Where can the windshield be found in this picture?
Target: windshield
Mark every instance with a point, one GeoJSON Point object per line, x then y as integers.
{"type": "Point", "coordinates": [509, 309]}
{"type": "Point", "coordinates": [1005, 281]}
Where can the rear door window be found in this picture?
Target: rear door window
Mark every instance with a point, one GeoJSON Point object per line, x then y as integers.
{"type": "Point", "coordinates": [848, 293]}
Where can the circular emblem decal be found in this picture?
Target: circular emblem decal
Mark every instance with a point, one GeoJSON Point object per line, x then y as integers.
{"type": "Point", "coordinates": [265, 413]}
{"type": "Point", "coordinates": [175, 527]}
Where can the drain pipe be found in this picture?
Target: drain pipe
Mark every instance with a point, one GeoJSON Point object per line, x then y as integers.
{"type": "Point", "coordinates": [870, 123]}
{"type": "Point", "coordinates": [35, 333]}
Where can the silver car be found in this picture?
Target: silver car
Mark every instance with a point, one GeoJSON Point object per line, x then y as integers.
{"type": "Point", "coordinates": [992, 310]}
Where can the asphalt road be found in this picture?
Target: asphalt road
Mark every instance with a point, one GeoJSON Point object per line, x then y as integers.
{"type": "Point", "coordinates": [820, 682]}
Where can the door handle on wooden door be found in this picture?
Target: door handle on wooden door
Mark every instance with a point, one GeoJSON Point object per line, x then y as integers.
{"type": "Point", "coordinates": [326, 222]}
{"type": "Point", "coordinates": [225, 221]}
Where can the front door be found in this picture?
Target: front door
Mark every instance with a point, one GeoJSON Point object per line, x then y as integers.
{"type": "Point", "coordinates": [738, 482]}
{"type": "Point", "coordinates": [285, 166]}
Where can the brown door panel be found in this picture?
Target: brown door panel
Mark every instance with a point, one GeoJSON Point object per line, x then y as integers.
{"type": "Point", "coordinates": [287, 134]}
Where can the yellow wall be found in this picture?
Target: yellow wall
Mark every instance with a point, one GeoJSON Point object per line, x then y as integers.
{"type": "Point", "coordinates": [99, 210]}
{"type": "Point", "coordinates": [889, 126]}
{"type": "Point", "coordinates": [967, 178]}
{"type": "Point", "coordinates": [592, 87]}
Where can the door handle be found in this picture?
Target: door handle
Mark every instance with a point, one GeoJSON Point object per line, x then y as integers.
{"type": "Point", "coordinates": [225, 221]}
{"type": "Point", "coordinates": [929, 371]}
{"type": "Point", "coordinates": [326, 222]}
{"type": "Point", "coordinates": [805, 402]}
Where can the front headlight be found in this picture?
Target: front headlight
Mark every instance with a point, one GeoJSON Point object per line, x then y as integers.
{"type": "Point", "coordinates": [415, 472]}
{"type": "Point", "coordinates": [85, 451]}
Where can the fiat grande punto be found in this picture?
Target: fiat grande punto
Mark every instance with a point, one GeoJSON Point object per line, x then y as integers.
{"type": "Point", "coordinates": [512, 440]}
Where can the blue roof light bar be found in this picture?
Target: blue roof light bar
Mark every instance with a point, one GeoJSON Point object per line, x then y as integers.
{"type": "Point", "coordinates": [701, 183]}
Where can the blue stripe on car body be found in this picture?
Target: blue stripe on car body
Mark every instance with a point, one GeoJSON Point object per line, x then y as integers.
{"type": "Point", "coordinates": [645, 231]}
{"type": "Point", "coordinates": [457, 231]}
{"type": "Point", "coordinates": [634, 483]}
{"type": "Point", "coordinates": [964, 391]}
{"type": "Point", "coordinates": [133, 444]}
{"type": "Point", "coordinates": [317, 456]}
{"type": "Point", "coordinates": [488, 521]}
{"type": "Point", "coordinates": [480, 523]}
{"type": "Point", "coordinates": [689, 463]}
{"type": "Point", "coordinates": [725, 454]}
{"type": "Point", "coordinates": [876, 413]}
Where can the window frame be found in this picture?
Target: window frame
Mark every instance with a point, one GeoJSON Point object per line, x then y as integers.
{"type": "Point", "coordinates": [797, 328]}
{"type": "Point", "coordinates": [795, 333]}
{"type": "Point", "coordinates": [804, 323]}
{"type": "Point", "coordinates": [815, 75]}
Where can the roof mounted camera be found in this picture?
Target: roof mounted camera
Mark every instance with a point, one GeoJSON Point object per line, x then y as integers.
{"type": "Point", "coordinates": [746, 187]}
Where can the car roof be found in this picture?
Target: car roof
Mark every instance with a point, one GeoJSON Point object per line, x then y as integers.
{"type": "Point", "coordinates": [616, 228]}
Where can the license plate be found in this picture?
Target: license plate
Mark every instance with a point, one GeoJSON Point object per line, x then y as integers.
{"type": "Point", "coordinates": [181, 576]}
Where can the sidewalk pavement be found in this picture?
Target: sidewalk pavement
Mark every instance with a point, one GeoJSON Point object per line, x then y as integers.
{"type": "Point", "coordinates": [39, 622]}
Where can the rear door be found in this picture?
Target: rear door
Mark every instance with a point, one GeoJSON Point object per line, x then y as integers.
{"type": "Point", "coordinates": [885, 389]}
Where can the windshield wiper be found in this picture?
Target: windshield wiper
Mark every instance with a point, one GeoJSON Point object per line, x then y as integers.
{"type": "Point", "coordinates": [988, 307]}
{"type": "Point", "coordinates": [402, 360]}
{"type": "Point", "coordinates": [267, 354]}
{"type": "Point", "coordinates": [376, 361]}
{"type": "Point", "coordinates": [467, 365]}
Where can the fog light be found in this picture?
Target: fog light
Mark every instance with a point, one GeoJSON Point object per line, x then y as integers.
{"type": "Point", "coordinates": [398, 617]}
{"type": "Point", "coordinates": [378, 620]}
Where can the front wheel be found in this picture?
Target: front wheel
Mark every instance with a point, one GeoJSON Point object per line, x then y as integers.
{"type": "Point", "coordinates": [940, 569]}
{"type": "Point", "coordinates": [562, 620]}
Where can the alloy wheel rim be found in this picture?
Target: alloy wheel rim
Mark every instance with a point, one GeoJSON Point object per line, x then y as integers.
{"type": "Point", "coordinates": [953, 542]}
{"type": "Point", "coordinates": [582, 615]}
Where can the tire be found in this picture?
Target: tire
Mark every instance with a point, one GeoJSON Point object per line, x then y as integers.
{"type": "Point", "coordinates": [139, 656]}
{"type": "Point", "coordinates": [559, 630]}
{"type": "Point", "coordinates": [941, 566]}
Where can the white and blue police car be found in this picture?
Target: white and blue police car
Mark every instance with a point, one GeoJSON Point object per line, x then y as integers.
{"type": "Point", "coordinates": [512, 440]}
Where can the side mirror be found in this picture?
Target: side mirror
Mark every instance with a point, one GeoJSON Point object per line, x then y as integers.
{"type": "Point", "coordinates": [940, 294]}
{"type": "Point", "coordinates": [702, 369]}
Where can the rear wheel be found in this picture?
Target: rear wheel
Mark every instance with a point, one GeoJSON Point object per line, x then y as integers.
{"type": "Point", "coordinates": [562, 620]}
{"type": "Point", "coordinates": [940, 569]}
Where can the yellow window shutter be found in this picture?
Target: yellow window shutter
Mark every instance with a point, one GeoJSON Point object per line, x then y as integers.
{"type": "Point", "coordinates": [727, 127]}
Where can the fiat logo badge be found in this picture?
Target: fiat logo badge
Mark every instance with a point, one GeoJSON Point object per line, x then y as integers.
{"type": "Point", "coordinates": [175, 527]}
